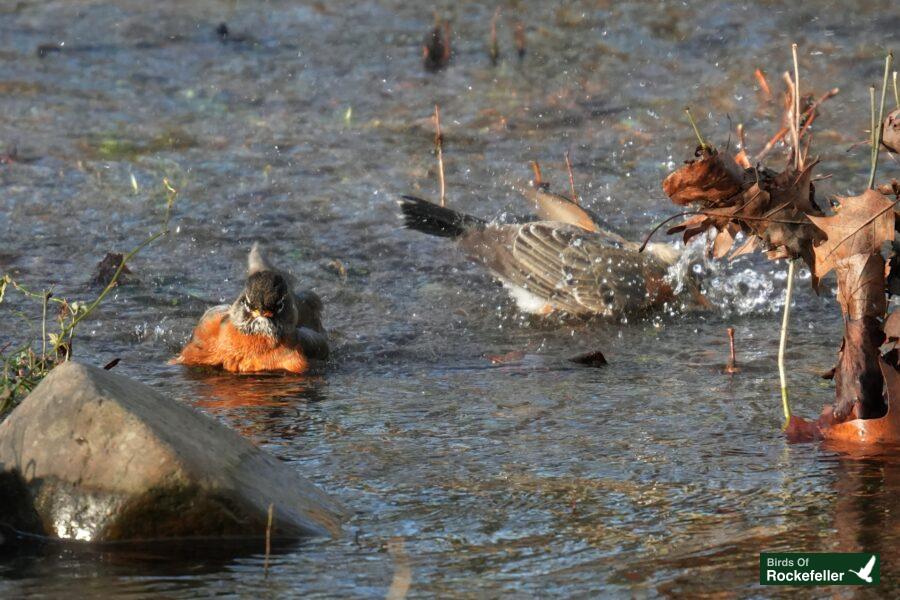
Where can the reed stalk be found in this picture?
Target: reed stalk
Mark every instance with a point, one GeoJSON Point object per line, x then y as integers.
{"type": "Point", "coordinates": [782, 345]}
{"type": "Point", "coordinates": [439, 148]}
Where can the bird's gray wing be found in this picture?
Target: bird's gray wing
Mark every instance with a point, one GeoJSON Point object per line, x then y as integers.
{"type": "Point", "coordinates": [314, 343]}
{"type": "Point", "coordinates": [309, 310]}
{"type": "Point", "coordinates": [572, 269]}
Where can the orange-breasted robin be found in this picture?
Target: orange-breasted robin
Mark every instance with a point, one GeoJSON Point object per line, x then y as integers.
{"type": "Point", "coordinates": [268, 328]}
{"type": "Point", "coordinates": [569, 264]}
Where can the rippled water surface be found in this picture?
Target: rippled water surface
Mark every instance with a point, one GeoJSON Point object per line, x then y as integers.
{"type": "Point", "coordinates": [655, 476]}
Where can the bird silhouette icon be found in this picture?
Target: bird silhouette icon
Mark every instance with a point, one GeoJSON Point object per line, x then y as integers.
{"type": "Point", "coordinates": [866, 572]}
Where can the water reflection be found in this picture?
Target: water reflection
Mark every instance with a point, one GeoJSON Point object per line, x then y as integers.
{"type": "Point", "coordinates": [219, 391]}
{"type": "Point", "coordinates": [270, 408]}
{"type": "Point", "coordinates": [867, 488]}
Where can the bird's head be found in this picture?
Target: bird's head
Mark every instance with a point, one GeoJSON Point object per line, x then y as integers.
{"type": "Point", "coordinates": [264, 306]}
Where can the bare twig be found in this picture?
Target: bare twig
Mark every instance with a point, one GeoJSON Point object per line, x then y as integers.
{"type": "Point", "coordinates": [495, 46]}
{"type": "Point", "coordinates": [538, 181]}
{"type": "Point", "coordinates": [873, 149]}
{"type": "Point", "coordinates": [879, 123]}
{"type": "Point", "coordinates": [797, 153]}
{"type": "Point", "coordinates": [571, 178]}
{"type": "Point", "coordinates": [808, 117]}
{"type": "Point", "coordinates": [731, 368]}
{"type": "Point", "coordinates": [896, 92]}
{"type": "Point", "coordinates": [519, 35]}
{"type": "Point", "coordinates": [763, 84]}
{"type": "Point", "coordinates": [439, 148]}
{"type": "Point", "coordinates": [793, 119]}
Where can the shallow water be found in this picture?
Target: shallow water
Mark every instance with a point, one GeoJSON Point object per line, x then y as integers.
{"type": "Point", "coordinates": [655, 476]}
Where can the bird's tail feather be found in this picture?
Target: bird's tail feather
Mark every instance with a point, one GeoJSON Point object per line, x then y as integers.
{"type": "Point", "coordinates": [432, 219]}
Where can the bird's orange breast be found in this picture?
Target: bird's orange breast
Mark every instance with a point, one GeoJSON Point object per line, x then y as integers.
{"type": "Point", "coordinates": [218, 343]}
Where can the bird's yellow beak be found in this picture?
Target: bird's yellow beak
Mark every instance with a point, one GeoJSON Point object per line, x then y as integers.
{"type": "Point", "coordinates": [261, 313]}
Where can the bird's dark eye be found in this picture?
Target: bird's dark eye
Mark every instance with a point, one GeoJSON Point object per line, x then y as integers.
{"type": "Point", "coordinates": [280, 306]}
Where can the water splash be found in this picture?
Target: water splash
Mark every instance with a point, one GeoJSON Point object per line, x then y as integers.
{"type": "Point", "coordinates": [747, 286]}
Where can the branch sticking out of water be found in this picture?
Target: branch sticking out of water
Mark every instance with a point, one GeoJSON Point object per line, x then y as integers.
{"type": "Point", "coordinates": [878, 124]}
{"type": "Point", "coordinates": [571, 179]}
{"type": "Point", "coordinates": [793, 121]}
{"type": "Point", "coordinates": [798, 162]}
{"type": "Point", "coordinates": [519, 35]}
{"type": "Point", "coordinates": [439, 148]}
{"type": "Point", "coordinates": [538, 181]}
{"type": "Point", "coordinates": [763, 84]}
{"type": "Point", "coordinates": [896, 91]}
{"type": "Point", "coordinates": [731, 368]}
{"type": "Point", "coordinates": [809, 116]}
{"type": "Point", "coordinates": [495, 46]}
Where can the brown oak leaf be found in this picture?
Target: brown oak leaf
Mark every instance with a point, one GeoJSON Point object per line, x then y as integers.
{"type": "Point", "coordinates": [859, 226]}
{"type": "Point", "coordinates": [553, 207]}
{"type": "Point", "coordinates": [858, 379]}
{"type": "Point", "coordinates": [709, 180]}
{"type": "Point", "coordinates": [892, 326]}
{"type": "Point", "coordinates": [861, 285]}
{"type": "Point", "coordinates": [890, 135]}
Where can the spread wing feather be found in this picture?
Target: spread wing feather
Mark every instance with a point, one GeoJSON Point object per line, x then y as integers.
{"type": "Point", "coordinates": [574, 270]}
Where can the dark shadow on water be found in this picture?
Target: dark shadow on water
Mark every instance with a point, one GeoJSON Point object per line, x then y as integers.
{"type": "Point", "coordinates": [24, 556]}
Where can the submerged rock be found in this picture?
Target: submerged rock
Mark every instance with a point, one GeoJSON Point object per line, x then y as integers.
{"type": "Point", "coordinates": [106, 270]}
{"type": "Point", "coordinates": [92, 455]}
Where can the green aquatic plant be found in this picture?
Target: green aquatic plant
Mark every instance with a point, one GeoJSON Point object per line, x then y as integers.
{"type": "Point", "coordinates": [25, 366]}
{"type": "Point", "coordinates": [114, 146]}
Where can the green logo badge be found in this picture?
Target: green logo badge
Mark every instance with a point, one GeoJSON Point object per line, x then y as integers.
{"type": "Point", "coordinates": [819, 568]}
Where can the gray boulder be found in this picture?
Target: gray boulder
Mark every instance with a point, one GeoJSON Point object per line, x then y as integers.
{"type": "Point", "coordinates": [92, 455]}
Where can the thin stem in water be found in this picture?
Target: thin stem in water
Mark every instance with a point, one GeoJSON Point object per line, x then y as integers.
{"type": "Point", "coordinates": [439, 146]}
{"type": "Point", "coordinates": [782, 344]}
{"type": "Point", "coordinates": [896, 92]}
{"type": "Point", "coordinates": [792, 115]}
{"type": "Point", "coordinates": [877, 125]}
{"type": "Point", "coordinates": [872, 149]}
{"type": "Point", "coordinates": [687, 110]}
{"type": "Point", "coordinates": [46, 297]}
{"type": "Point", "coordinates": [798, 162]}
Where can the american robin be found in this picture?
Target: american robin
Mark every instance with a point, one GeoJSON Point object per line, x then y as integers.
{"type": "Point", "coordinates": [570, 264]}
{"type": "Point", "coordinates": [268, 328]}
